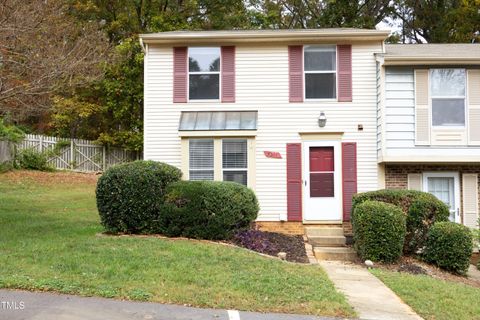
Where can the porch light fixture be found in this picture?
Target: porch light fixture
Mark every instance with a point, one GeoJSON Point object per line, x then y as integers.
{"type": "Point", "coordinates": [322, 120]}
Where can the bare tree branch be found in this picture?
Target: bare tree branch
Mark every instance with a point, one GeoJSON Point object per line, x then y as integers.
{"type": "Point", "coordinates": [43, 50]}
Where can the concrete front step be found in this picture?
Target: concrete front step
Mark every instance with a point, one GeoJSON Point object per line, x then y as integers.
{"type": "Point", "coordinates": [323, 231]}
{"type": "Point", "coordinates": [327, 241]}
{"type": "Point", "coordinates": [335, 253]}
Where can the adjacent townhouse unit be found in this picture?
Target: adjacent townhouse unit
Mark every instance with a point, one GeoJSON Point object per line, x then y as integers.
{"type": "Point", "coordinates": [429, 123]}
{"type": "Point", "coordinates": [307, 118]}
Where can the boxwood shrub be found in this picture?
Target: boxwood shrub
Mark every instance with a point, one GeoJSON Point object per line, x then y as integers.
{"type": "Point", "coordinates": [130, 195]}
{"type": "Point", "coordinates": [207, 209]}
{"type": "Point", "coordinates": [422, 210]}
{"type": "Point", "coordinates": [449, 246]}
{"type": "Point", "coordinates": [378, 231]}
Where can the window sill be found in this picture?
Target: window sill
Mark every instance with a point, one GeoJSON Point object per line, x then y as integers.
{"type": "Point", "coordinates": [204, 101]}
{"type": "Point", "coordinates": [320, 100]}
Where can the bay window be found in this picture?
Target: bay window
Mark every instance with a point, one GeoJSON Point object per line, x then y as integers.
{"type": "Point", "coordinates": [220, 159]}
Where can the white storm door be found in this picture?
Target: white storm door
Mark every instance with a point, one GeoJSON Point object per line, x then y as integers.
{"type": "Point", "coordinates": [446, 187]}
{"type": "Point", "coordinates": [322, 181]}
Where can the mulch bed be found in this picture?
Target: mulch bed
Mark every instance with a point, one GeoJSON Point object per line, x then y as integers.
{"type": "Point", "coordinates": [272, 243]}
{"type": "Point", "coordinates": [414, 266]}
{"type": "Point", "coordinates": [50, 178]}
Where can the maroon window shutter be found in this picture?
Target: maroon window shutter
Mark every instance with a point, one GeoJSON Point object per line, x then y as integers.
{"type": "Point", "coordinates": [228, 74]}
{"type": "Point", "coordinates": [295, 73]}
{"type": "Point", "coordinates": [349, 176]}
{"type": "Point", "coordinates": [180, 74]}
{"type": "Point", "coordinates": [294, 182]}
{"type": "Point", "coordinates": [344, 57]}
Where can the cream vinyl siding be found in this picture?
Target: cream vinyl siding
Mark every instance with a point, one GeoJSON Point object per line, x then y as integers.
{"type": "Point", "coordinates": [262, 84]}
{"type": "Point", "coordinates": [399, 129]}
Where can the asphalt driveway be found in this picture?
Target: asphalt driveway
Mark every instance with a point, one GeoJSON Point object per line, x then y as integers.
{"type": "Point", "coordinates": [24, 305]}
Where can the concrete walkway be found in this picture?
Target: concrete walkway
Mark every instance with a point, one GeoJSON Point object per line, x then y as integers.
{"type": "Point", "coordinates": [24, 305]}
{"type": "Point", "coordinates": [370, 298]}
{"type": "Point", "coordinates": [473, 272]}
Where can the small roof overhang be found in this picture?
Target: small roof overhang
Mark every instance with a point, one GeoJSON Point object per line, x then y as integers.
{"type": "Point", "coordinates": [451, 54]}
{"type": "Point", "coordinates": [336, 35]}
{"type": "Point", "coordinates": [419, 60]}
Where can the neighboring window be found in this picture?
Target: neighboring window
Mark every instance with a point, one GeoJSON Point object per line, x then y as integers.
{"type": "Point", "coordinates": [320, 67]}
{"type": "Point", "coordinates": [201, 159]}
{"type": "Point", "coordinates": [448, 97]}
{"type": "Point", "coordinates": [203, 73]}
{"type": "Point", "coordinates": [234, 160]}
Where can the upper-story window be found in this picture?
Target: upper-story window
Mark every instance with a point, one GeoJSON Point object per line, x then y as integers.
{"type": "Point", "coordinates": [204, 73]}
{"type": "Point", "coordinates": [320, 68]}
{"type": "Point", "coordinates": [448, 97]}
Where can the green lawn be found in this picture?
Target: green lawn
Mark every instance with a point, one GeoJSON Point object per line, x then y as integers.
{"type": "Point", "coordinates": [433, 298]}
{"type": "Point", "coordinates": [49, 241]}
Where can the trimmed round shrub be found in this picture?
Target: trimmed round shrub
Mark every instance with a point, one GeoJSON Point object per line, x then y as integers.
{"type": "Point", "coordinates": [378, 231]}
{"type": "Point", "coordinates": [449, 246]}
{"type": "Point", "coordinates": [130, 196]}
{"type": "Point", "coordinates": [422, 210]}
{"type": "Point", "coordinates": [207, 209]}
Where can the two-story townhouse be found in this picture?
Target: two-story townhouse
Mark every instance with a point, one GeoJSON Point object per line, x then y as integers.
{"type": "Point", "coordinates": [307, 118]}
{"type": "Point", "coordinates": [429, 123]}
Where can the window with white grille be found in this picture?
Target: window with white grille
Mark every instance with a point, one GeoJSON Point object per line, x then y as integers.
{"type": "Point", "coordinates": [201, 159]}
{"type": "Point", "coordinates": [448, 97]}
{"type": "Point", "coordinates": [204, 73]}
{"type": "Point", "coordinates": [234, 160]}
{"type": "Point", "coordinates": [320, 71]}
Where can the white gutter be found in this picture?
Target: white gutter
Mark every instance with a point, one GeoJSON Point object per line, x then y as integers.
{"type": "Point", "coordinates": [142, 45]}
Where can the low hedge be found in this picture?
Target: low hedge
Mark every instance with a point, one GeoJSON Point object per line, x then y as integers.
{"type": "Point", "coordinates": [207, 209]}
{"type": "Point", "coordinates": [449, 246]}
{"type": "Point", "coordinates": [379, 231]}
{"type": "Point", "coordinates": [422, 210]}
{"type": "Point", "coordinates": [130, 195]}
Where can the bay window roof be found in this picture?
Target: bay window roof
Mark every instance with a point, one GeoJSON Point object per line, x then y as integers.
{"type": "Point", "coordinates": [218, 120]}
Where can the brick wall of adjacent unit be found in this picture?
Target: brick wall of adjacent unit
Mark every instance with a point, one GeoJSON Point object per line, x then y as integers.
{"type": "Point", "coordinates": [396, 176]}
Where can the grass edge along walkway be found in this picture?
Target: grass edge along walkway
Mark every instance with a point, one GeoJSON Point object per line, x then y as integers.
{"type": "Point", "coordinates": [433, 298]}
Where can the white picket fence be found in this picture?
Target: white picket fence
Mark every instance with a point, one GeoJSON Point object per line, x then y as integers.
{"type": "Point", "coordinates": [79, 155]}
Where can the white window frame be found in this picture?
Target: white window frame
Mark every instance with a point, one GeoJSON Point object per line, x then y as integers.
{"type": "Point", "coordinates": [219, 72]}
{"type": "Point", "coordinates": [319, 72]}
{"type": "Point", "coordinates": [201, 169]}
{"type": "Point", "coordinates": [217, 137]}
{"type": "Point", "coordinates": [456, 188]}
{"type": "Point", "coordinates": [235, 169]}
{"type": "Point", "coordinates": [432, 97]}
